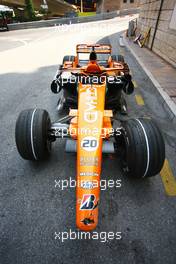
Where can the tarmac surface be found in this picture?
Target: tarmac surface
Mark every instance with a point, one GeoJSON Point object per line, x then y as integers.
{"type": "Point", "coordinates": [33, 210]}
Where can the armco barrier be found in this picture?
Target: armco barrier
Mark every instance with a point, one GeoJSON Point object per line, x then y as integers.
{"type": "Point", "coordinates": [75, 20]}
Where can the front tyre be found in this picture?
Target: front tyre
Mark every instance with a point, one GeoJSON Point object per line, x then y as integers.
{"type": "Point", "coordinates": [144, 148]}
{"type": "Point", "coordinates": [31, 134]}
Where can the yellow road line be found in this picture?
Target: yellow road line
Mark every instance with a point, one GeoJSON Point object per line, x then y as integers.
{"type": "Point", "coordinates": [135, 84]}
{"type": "Point", "coordinates": [122, 52]}
{"type": "Point", "coordinates": [147, 117]}
{"type": "Point", "coordinates": [139, 100]}
{"type": "Point", "coordinates": [168, 179]}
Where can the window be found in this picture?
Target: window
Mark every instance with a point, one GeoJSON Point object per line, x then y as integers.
{"type": "Point", "coordinates": [131, 1]}
{"type": "Point", "coordinates": [124, 1]}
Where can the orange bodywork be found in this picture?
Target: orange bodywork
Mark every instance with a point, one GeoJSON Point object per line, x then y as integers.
{"type": "Point", "coordinates": [90, 126]}
{"type": "Point", "coordinates": [99, 48]}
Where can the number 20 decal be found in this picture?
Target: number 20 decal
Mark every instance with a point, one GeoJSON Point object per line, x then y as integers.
{"type": "Point", "coordinates": [89, 144]}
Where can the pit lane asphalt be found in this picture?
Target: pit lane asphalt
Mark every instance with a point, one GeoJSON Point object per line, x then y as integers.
{"type": "Point", "coordinates": [32, 209]}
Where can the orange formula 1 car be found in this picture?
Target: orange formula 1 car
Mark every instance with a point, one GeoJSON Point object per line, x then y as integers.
{"type": "Point", "coordinates": [89, 130]}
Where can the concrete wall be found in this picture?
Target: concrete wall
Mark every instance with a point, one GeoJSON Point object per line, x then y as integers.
{"type": "Point", "coordinates": [62, 21]}
{"type": "Point", "coordinates": [112, 5]}
{"type": "Point", "coordinates": [165, 39]}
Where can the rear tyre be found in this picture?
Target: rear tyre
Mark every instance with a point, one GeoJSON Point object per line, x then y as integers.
{"type": "Point", "coordinates": [118, 58]}
{"type": "Point", "coordinates": [128, 87]}
{"type": "Point", "coordinates": [31, 134]}
{"type": "Point", "coordinates": [68, 58]}
{"type": "Point", "coordinates": [70, 94]}
{"type": "Point", "coordinates": [144, 153]}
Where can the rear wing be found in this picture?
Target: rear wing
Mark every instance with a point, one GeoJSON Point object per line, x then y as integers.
{"type": "Point", "coordinates": [98, 48]}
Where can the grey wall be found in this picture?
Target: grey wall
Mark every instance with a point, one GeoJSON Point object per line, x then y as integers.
{"type": "Point", "coordinates": [165, 40]}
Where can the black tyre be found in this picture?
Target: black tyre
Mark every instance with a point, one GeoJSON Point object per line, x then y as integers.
{"type": "Point", "coordinates": [119, 58]}
{"type": "Point", "coordinates": [144, 148]}
{"type": "Point", "coordinates": [68, 58]}
{"type": "Point", "coordinates": [128, 86]}
{"type": "Point", "coordinates": [70, 93]}
{"type": "Point", "coordinates": [56, 85]}
{"type": "Point", "coordinates": [31, 134]}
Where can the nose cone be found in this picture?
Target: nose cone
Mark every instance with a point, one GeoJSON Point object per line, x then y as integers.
{"type": "Point", "coordinates": [86, 224]}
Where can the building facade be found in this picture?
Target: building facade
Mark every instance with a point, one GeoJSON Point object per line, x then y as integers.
{"type": "Point", "coordinates": [160, 16]}
{"type": "Point", "coordinates": [113, 5]}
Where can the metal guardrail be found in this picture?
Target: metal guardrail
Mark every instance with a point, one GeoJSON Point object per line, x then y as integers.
{"type": "Point", "coordinates": [75, 20]}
